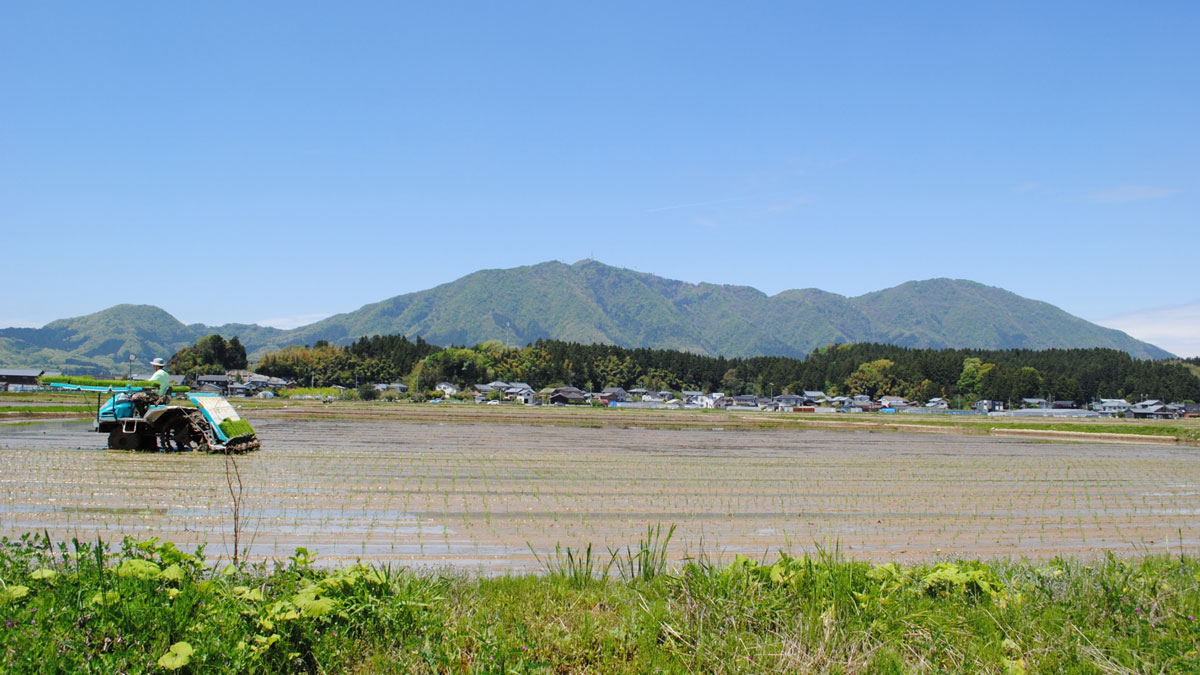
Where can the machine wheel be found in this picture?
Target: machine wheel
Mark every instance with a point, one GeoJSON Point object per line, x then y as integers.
{"type": "Point", "coordinates": [178, 435]}
{"type": "Point", "coordinates": [196, 427]}
{"type": "Point", "coordinates": [122, 440]}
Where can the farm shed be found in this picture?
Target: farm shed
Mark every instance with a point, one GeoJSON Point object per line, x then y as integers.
{"type": "Point", "coordinates": [19, 377]}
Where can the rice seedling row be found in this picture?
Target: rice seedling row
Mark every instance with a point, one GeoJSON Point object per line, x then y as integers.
{"type": "Point", "coordinates": [489, 496]}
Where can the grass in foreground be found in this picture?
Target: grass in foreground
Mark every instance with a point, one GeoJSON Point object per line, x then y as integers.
{"type": "Point", "coordinates": [151, 607]}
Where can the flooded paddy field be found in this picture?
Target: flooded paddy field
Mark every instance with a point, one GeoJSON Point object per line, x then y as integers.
{"type": "Point", "coordinates": [476, 496]}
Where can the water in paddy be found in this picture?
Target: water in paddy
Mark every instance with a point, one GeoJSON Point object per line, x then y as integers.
{"type": "Point", "coordinates": [477, 496]}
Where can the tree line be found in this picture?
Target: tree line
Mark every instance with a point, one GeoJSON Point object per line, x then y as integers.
{"type": "Point", "coordinates": [211, 355]}
{"type": "Point", "coordinates": [962, 375]}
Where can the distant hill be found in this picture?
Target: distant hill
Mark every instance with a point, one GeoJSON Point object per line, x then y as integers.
{"type": "Point", "coordinates": [100, 343]}
{"type": "Point", "coordinates": [591, 302]}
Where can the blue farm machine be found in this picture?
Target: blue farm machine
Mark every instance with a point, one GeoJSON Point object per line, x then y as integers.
{"type": "Point", "coordinates": [136, 419]}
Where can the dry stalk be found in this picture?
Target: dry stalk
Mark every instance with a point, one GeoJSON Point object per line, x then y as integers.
{"type": "Point", "coordinates": [234, 475]}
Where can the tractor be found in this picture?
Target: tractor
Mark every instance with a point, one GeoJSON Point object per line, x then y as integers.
{"type": "Point", "coordinates": [136, 419]}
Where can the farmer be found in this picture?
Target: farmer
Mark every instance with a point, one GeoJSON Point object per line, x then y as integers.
{"type": "Point", "coordinates": [144, 399]}
{"type": "Point", "coordinates": [161, 376]}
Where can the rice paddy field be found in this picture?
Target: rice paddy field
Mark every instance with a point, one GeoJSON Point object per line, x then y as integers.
{"type": "Point", "coordinates": [484, 497]}
{"type": "Point", "coordinates": [484, 539]}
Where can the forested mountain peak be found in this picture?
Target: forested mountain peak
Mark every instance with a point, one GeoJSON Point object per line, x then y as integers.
{"type": "Point", "coordinates": [593, 303]}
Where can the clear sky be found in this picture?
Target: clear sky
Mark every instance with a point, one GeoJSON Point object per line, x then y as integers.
{"type": "Point", "coordinates": [278, 162]}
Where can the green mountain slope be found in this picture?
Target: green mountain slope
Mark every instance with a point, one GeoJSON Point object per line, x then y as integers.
{"type": "Point", "coordinates": [101, 343]}
{"type": "Point", "coordinates": [954, 312]}
{"type": "Point", "coordinates": [591, 302]}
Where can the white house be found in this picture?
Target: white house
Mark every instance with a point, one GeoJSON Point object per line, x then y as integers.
{"type": "Point", "coordinates": [1111, 407]}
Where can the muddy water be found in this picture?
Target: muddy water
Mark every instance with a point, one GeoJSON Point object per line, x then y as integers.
{"type": "Point", "coordinates": [477, 496]}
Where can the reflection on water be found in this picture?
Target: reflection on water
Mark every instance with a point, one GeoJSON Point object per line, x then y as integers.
{"type": "Point", "coordinates": [33, 428]}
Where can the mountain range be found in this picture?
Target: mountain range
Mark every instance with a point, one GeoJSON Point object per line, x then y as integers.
{"type": "Point", "coordinates": [591, 302]}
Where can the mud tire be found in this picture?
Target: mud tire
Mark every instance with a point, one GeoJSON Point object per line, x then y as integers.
{"type": "Point", "coordinates": [179, 437]}
{"type": "Point", "coordinates": [122, 440]}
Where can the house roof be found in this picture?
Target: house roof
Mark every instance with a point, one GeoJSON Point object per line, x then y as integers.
{"type": "Point", "coordinates": [814, 394]}
{"type": "Point", "coordinates": [1153, 409]}
{"type": "Point", "coordinates": [212, 378]}
{"type": "Point", "coordinates": [20, 372]}
{"type": "Point", "coordinates": [613, 390]}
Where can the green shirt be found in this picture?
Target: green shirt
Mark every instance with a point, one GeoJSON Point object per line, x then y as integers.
{"type": "Point", "coordinates": [163, 378]}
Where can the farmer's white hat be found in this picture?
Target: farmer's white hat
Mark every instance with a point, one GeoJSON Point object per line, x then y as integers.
{"type": "Point", "coordinates": [158, 362]}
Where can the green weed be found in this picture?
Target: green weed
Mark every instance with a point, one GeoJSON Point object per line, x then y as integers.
{"type": "Point", "coordinates": [149, 607]}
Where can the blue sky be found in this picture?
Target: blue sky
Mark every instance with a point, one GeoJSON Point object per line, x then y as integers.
{"type": "Point", "coordinates": [278, 162]}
